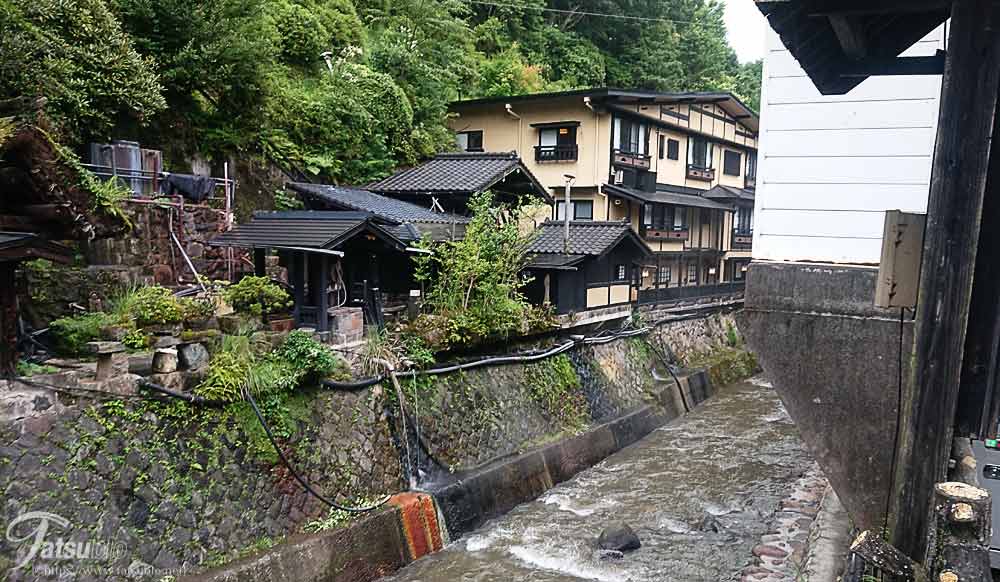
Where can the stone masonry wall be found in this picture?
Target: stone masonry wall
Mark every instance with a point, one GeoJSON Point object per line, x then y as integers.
{"type": "Point", "coordinates": [177, 488]}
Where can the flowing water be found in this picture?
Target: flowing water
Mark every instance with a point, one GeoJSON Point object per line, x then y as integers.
{"type": "Point", "coordinates": [699, 492]}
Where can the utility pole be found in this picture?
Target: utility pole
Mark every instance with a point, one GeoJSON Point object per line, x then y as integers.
{"type": "Point", "coordinates": [569, 183]}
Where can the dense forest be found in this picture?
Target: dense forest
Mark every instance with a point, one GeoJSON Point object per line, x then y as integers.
{"type": "Point", "coordinates": [337, 90]}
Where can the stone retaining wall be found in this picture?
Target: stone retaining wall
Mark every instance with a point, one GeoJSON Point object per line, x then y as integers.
{"type": "Point", "coordinates": [175, 488]}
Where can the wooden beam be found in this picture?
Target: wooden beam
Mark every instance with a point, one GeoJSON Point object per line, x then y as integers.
{"type": "Point", "coordinates": [850, 32]}
{"type": "Point", "coordinates": [929, 65]}
{"type": "Point", "coordinates": [8, 319]}
{"type": "Point", "coordinates": [872, 7]}
{"type": "Point", "coordinates": [958, 180]}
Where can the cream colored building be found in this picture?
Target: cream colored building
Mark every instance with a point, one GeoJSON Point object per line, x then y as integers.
{"type": "Point", "coordinates": [681, 167]}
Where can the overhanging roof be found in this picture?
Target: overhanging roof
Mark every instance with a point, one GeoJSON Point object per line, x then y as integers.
{"type": "Point", "coordinates": [464, 174]}
{"type": "Point", "coordinates": [840, 43]}
{"type": "Point", "coordinates": [586, 238]}
{"type": "Point", "coordinates": [663, 197]}
{"type": "Point", "coordinates": [727, 101]}
{"type": "Point", "coordinates": [306, 229]}
{"type": "Point", "coordinates": [740, 196]}
{"type": "Point", "coordinates": [17, 246]}
{"type": "Point", "coordinates": [359, 199]}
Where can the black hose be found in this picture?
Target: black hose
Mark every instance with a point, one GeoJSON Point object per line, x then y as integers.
{"type": "Point", "coordinates": [352, 386]}
{"type": "Point", "coordinates": [191, 398]}
{"type": "Point", "coordinates": [306, 486]}
{"type": "Point", "coordinates": [670, 370]}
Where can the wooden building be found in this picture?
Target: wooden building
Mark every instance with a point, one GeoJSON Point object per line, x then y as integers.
{"type": "Point", "coordinates": [945, 379]}
{"type": "Point", "coordinates": [597, 267]}
{"type": "Point", "coordinates": [333, 258]}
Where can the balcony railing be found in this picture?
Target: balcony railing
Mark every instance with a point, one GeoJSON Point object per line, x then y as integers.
{"type": "Point", "coordinates": [674, 233]}
{"type": "Point", "coordinates": [742, 239]}
{"type": "Point", "coordinates": [699, 173]}
{"type": "Point", "coordinates": [632, 160]}
{"type": "Point", "coordinates": [667, 294]}
{"type": "Point", "coordinates": [556, 153]}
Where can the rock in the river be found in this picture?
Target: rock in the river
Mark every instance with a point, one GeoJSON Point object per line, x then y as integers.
{"type": "Point", "coordinates": [619, 537]}
{"type": "Point", "coordinates": [710, 524]}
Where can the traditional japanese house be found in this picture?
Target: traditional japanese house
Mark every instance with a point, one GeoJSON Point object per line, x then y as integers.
{"type": "Point", "coordinates": [433, 225]}
{"type": "Point", "coordinates": [333, 258]}
{"type": "Point", "coordinates": [597, 266]}
{"type": "Point", "coordinates": [447, 181]}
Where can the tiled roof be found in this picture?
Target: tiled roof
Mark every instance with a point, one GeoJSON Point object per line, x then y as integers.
{"type": "Point", "coordinates": [460, 173]}
{"type": "Point", "coordinates": [547, 261]}
{"type": "Point", "coordinates": [14, 239]}
{"type": "Point", "coordinates": [307, 229]}
{"type": "Point", "coordinates": [721, 192]}
{"type": "Point", "coordinates": [586, 237]}
{"type": "Point", "coordinates": [663, 197]}
{"type": "Point", "coordinates": [367, 201]}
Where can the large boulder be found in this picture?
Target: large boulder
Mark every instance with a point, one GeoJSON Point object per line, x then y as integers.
{"type": "Point", "coordinates": [619, 537]}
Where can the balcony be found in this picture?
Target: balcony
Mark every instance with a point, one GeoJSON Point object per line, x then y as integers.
{"type": "Point", "coordinates": [556, 153]}
{"type": "Point", "coordinates": [742, 240]}
{"type": "Point", "coordinates": [632, 160]}
{"type": "Point", "coordinates": [681, 233]}
{"type": "Point", "coordinates": [750, 183]}
{"type": "Point", "coordinates": [699, 173]}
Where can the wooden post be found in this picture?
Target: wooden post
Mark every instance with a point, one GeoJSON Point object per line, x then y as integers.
{"type": "Point", "coordinates": [298, 284]}
{"type": "Point", "coordinates": [958, 178]}
{"type": "Point", "coordinates": [8, 319]}
{"type": "Point", "coordinates": [963, 518]}
{"type": "Point", "coordinates": [324, 297]}
{"type": "Point", "coordinates": [259, 262]}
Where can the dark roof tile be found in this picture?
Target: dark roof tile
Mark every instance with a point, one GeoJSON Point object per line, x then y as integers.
{"type": "Point", "coordinates": [306, 229]}
{"type": "Point", "coordinates": [459, 173]}
{"type": "Point", "coordinates": [585, 237]}
{"type": "Point", "coordinates": [381, 206]}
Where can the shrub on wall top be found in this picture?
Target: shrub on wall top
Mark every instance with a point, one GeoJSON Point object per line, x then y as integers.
{"type": "Point", "coordinates": [254, 295]}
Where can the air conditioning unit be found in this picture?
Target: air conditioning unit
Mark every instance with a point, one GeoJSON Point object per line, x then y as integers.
{"type": "Point", "coordinates": [619, 176]}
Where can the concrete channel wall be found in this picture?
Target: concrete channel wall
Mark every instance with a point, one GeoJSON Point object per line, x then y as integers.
{"type": "Point", "coordinates": [404, 530]}
{"type": "Point", "coordinates": [177, 490]}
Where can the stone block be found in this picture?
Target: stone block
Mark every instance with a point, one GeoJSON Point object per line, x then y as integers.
{"type": "Point", "coordinates": [166, 341]}
{"type": "Point", "coordinates": [173, 380]}
{"type": "Point", "coordinates": [165, 361]}
{"type": "Point", "coordinates": [192, 356]}
{"type": "Point", "coordinates": [100, 348]}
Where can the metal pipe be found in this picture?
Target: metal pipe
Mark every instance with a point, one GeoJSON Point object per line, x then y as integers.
{"type": "Point", "coordinates": [566, 209]}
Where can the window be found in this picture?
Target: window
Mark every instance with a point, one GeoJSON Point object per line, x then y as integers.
{"type": "Point", "coordinates": [582, 209]}
{"type": "Point", "coordinates": [673, 149]}
{"type": "Point", "coordinates": [621, 273]}
{"type": "Point", "coordinates": [663, 275]}
{"type": "Point", "coordinates": [662, 148]}
{"type": "Point", "coordinates": [556, 142]}
{"type": "Point", "coordinates": [700, 153]}
{"type": "Point", "coordinates": [751, 166]}
{"type": "Point", "coordinates": [664, 217]}
{"type": "Point", "coordinates": [731, 163]}
{"type": "Point", "coordinates": [469, 141]}
{"type": "Point", "coordinates": [630, 136]}
{"type": "Point", "coordinates": [744, 220]}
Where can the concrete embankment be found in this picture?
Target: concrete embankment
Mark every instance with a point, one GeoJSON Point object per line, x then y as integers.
{"type": "Point", "coordinates": [413, 525]}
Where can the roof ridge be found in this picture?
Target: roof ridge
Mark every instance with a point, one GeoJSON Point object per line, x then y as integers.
{"type": "Point", "coordinates": [509, 155]}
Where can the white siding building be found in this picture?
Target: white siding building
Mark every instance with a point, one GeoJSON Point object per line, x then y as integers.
{"type": "Point", "coordinates": [830, 166]}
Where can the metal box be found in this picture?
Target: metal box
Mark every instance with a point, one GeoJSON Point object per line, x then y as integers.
{"type": "Point", "coordinates": [899, 267]}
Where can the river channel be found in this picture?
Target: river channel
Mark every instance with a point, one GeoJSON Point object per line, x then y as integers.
{"type": "Point", "coordinates": [700, 492]}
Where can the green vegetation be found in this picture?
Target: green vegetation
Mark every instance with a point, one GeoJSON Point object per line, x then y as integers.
{"type": "Point", "coordinates": [555, 386]}
{"type": "Point", "coordinates": [27, 369]}
{"type": "Point", "coordinates": [474, 284]}
{"type": "Point", "coordinates": [246, 78]}
{"type": "Point", "coordinates": [71, 334]}
{"type": "Point", "coordinates": [147, 305]}
{"type": "Point", "coordinates": [253, 295]}
{"type": "Point", "coordinates": [725, 365]}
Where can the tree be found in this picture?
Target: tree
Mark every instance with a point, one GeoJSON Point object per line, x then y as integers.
{"type": "Point", "coordinates": [75, 55]}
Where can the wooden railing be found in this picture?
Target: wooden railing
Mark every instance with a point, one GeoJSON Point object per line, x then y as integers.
{"type": "Point", "coordinates": [666, 294]}
{"type": "Point", "coordinates": [556, 153]}
{"type": "Point", "coordinates": [699, 173]}
{"type": "Point", "coordinates": [742, 240]}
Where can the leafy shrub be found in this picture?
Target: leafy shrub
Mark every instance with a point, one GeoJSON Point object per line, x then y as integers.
{"type": "Point", "coordinates": [475, 283]}
{"type": "Point", "coordinates": [226, 378]}
{"type": "Point", "coordinates": [147, 305]}
{"type": "Point", "coordinates": [306, 355]}
{"type": "Point", "coordinates": [253, 295]}
{"type": "Point", "coordinates": [135, 339]}
{"type": "Point", "coordinates": [71, 334]}
{"type": "Point", "coordinates": [196, 309]}
{"type": "Point", "coordinates": [26, 369]}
